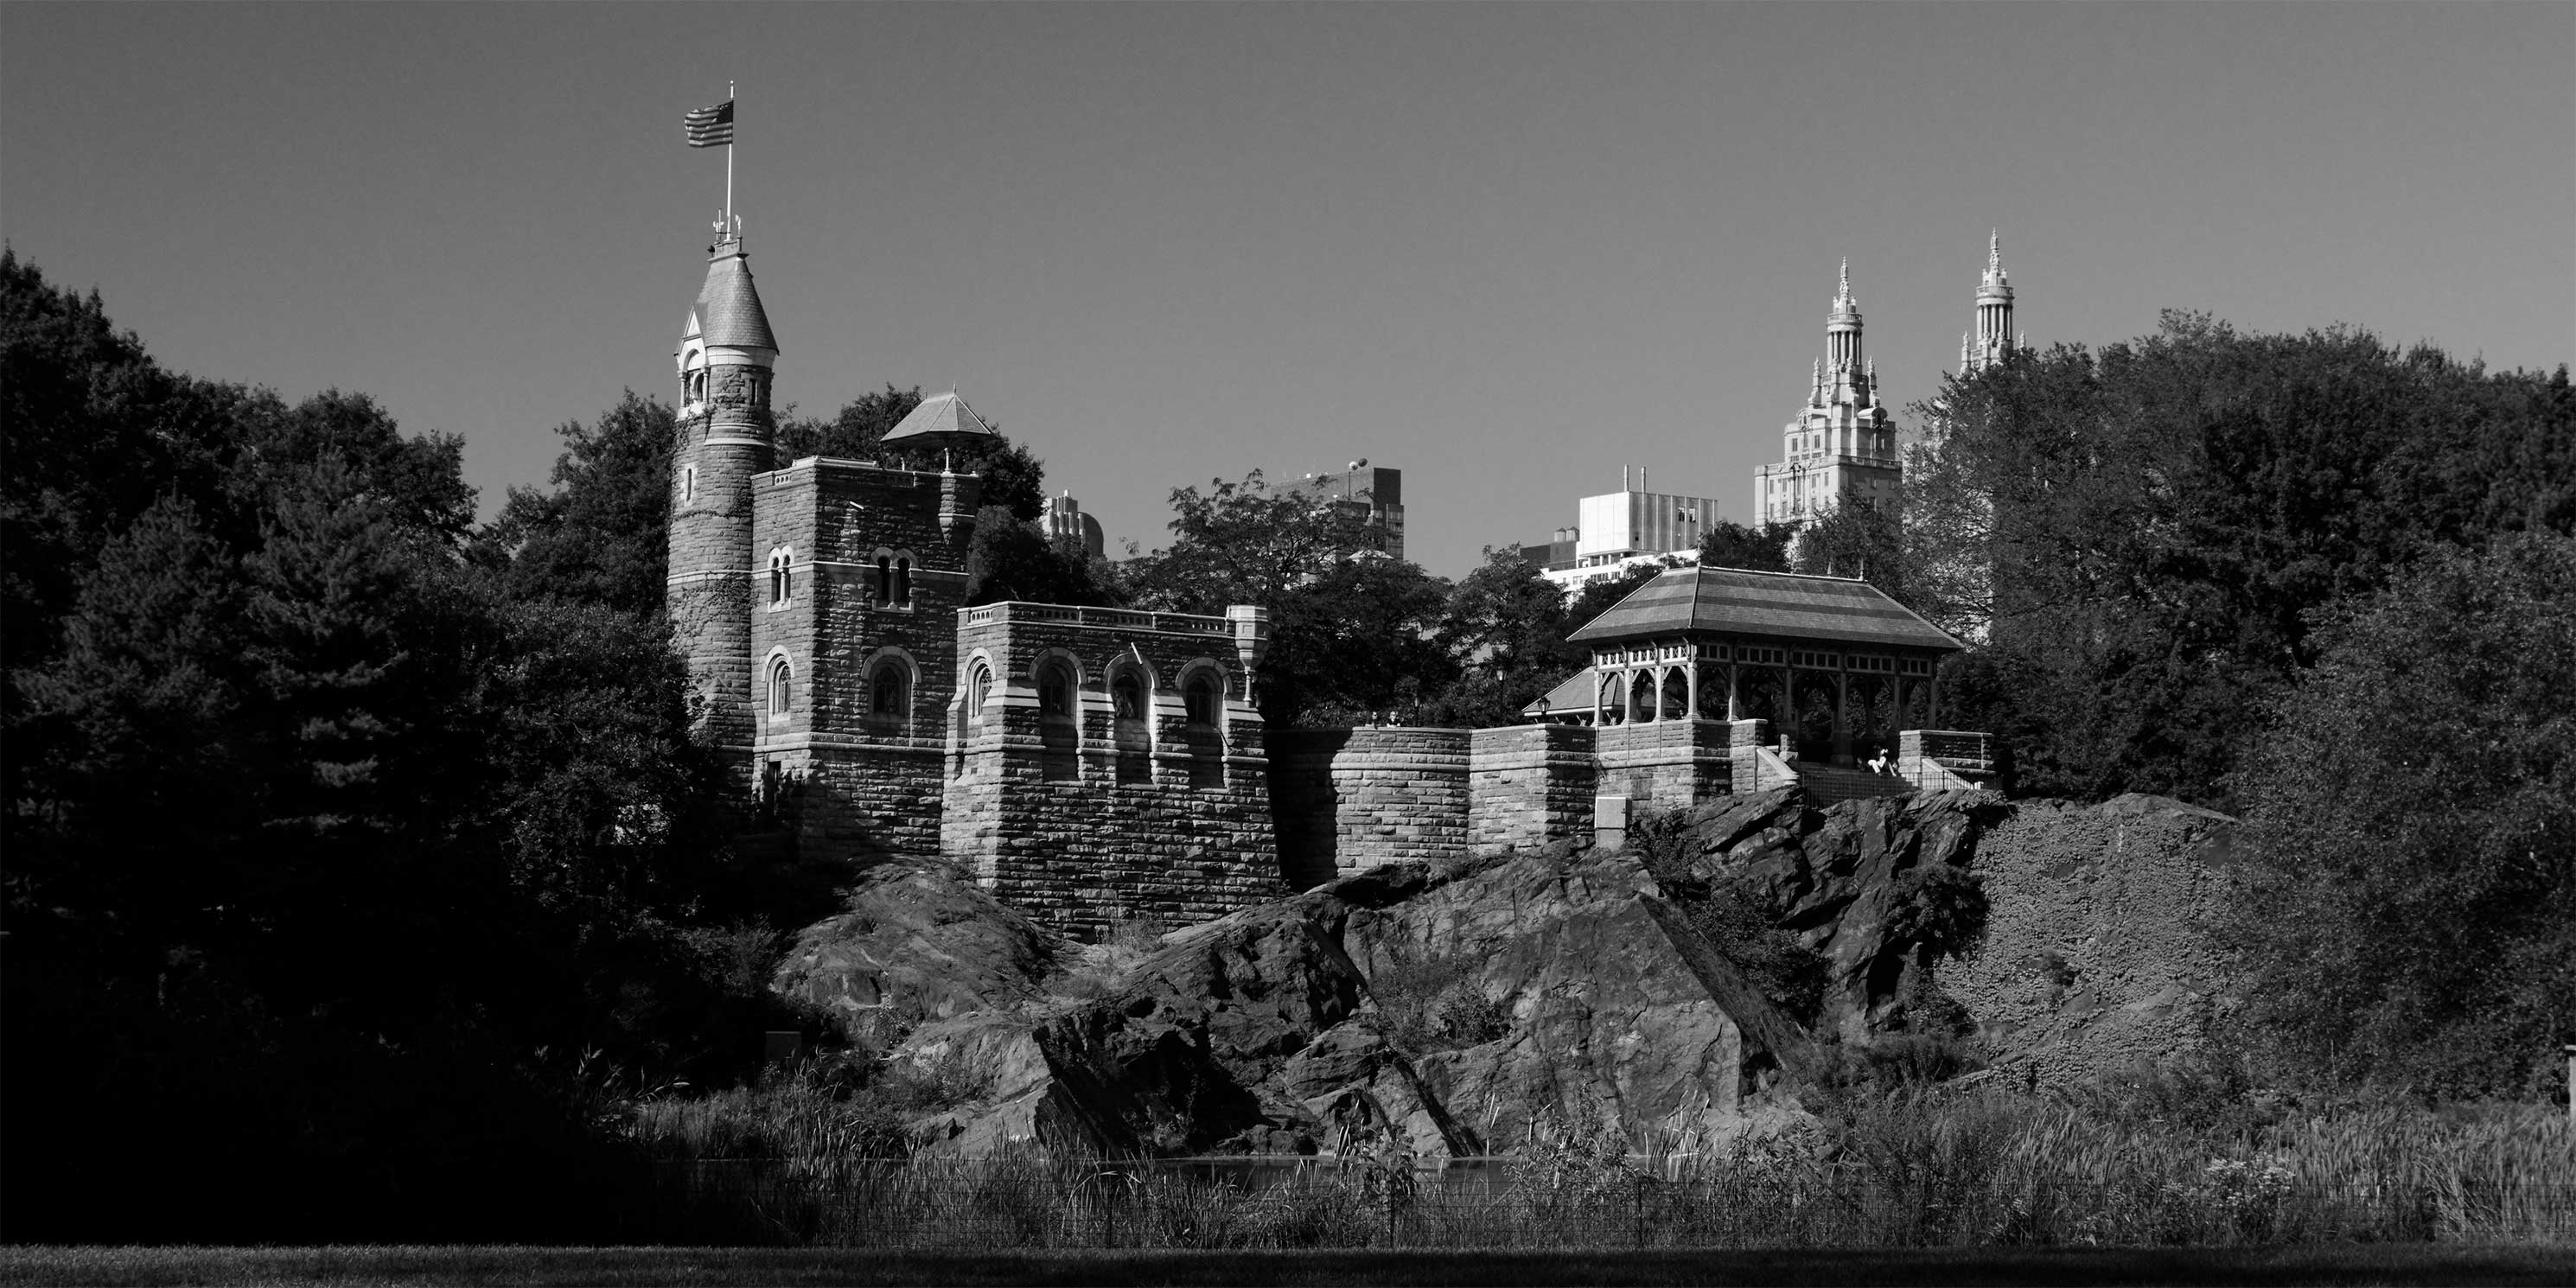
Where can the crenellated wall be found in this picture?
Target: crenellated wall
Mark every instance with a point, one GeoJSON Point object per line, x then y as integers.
{"type": "Point", "coordinates": [1097, 813]}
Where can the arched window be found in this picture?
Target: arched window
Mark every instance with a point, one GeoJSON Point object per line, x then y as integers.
{"type": "Point", "coordinates": [1676, 695]}
{"type": "Point", "coordinates": [781, 577]}
{"type": "Point", "coordinates": [903, 582]}
{"type": "Point", "coordinates": [1202, 700]}
{"type": "Point", "coordinates": [1641, 694]}
{"type": "Point", "coordinates": [1055, 691]}
{"type": "Point", "coordinates": [890, 695]}
{"type": "Point", "coordinates": [979, 690]}
{"type": "Point", "coordinates": [1613, 711]}
{"type": "Point", "coordinates": [1203, 708]}
{"type": "Point", "coordinates": [885, 579]}
{"type": "Point", "coordinates": [1059, 737]}
{"type": "Point", "coordinates": [781, 678]}
{"type": "Point", "coordinates": [1131, 728]}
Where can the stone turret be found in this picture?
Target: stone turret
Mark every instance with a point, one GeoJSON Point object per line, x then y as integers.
{"type": "Point", "coordinates": [1993, 337]}
{"type": "Point", "coordinates": [725, 361]}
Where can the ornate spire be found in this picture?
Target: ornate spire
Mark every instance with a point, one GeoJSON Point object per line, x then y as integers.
{"type": "Point", "coordinates": [1995, 252]}
{"type": "Point", "coordinates": [1844, 299]}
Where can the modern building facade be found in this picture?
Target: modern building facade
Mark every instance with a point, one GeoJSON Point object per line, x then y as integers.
{"type": "Point", "coordinates": [1374, 493]}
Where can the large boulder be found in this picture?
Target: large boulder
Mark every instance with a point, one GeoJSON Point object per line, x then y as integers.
{"type": "Point", "coordinates": [915, 945]}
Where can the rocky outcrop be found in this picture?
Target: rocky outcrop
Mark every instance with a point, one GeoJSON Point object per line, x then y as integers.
{"type": "Point", "coordinates": [1833, 878]}
{"type": "Point", "coordinates": [2097, 952]}
{"type": "Point", "coordinates": [916, 945]}
{"type": "Point", "coordinates": [1465, 1007]}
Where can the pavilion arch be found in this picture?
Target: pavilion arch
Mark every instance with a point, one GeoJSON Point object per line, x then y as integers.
{"type": "Point", "coordinates": [1676, 694]}
{"type": "Point", "coordinates": [1641, 695]}
{"type": "Point", "coordinates": [893, 681]}
{"type": "Point", "coordinates": [1614, 700]}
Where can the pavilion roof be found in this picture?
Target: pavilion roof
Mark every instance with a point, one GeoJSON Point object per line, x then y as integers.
{"type": "Point", "coordinates": [942, 418]}
{"type": "Point", "coordinates": [1789, 606]}
{"type": "Point", "coordinates": [1575, 694]}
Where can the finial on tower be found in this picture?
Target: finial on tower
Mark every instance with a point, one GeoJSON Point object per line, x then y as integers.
{"type": "Point", "coordinates": [1995, 251]}
{"type": "Point", "coordinates": [1845, 297]}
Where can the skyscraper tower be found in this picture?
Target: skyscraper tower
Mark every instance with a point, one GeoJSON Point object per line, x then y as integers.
{"type": "Point", "coordinates": [726, 358]}
{"type": "Point", "coordinates": [1993, 337]}
{"type": "Point", "coordinates": [1842, 444]}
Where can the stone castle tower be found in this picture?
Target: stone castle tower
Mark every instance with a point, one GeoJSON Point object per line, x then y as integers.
{"type": "Point", "coordinates": [1842, 444]}
{"type": "Point", "coordinates": [726, 357]}
{"type": "Point", "coordinates": [1993, 336]}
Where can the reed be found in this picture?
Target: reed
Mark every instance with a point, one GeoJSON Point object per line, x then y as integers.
{"type": "Point", "coordinates": [1914, 1169]}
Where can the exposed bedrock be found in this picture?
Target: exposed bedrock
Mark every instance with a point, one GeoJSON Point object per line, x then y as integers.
{"type": "Point", "coordinates": [1464, 1008]}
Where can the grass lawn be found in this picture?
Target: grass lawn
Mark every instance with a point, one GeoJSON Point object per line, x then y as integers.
{"type": "Point", "coordinates": [2320, 1264]}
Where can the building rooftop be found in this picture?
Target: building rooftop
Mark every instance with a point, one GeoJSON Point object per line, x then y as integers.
{"type": "Point", "coordinates": [1575, 694]}
{"type": "Point", "coordinates": [1738, 601]}
{"type": "Point", "coordinates": [729, 311]}
{"type": "Point", "coordinates": [941, 418]}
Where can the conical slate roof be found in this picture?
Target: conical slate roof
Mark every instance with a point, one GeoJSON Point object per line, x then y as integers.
{"type": "Point", "coordinates": [729, 311]}
{"type": "Point", "coordinates": [942, 417]}
{"type": "Point", "coordinates": [1738, 601]}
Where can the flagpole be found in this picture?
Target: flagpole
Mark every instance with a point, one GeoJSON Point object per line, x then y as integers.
{"type": "Point", "coordinates": [730, 227]}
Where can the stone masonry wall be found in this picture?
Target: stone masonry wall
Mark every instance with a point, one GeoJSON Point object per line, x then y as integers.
{"type": "Point", "coordinates": [1061, 822]}
{"type": "Point", "coordinates": [867, 783]}
{"type": "Point", "coordinates": [1529, 784]}
{"type": "Point", "coordinates": [708, 589]}
{"type": "Point", "coordinates": [1667, 763]}
{"type": "Point", "coordinates": [1349, 799]}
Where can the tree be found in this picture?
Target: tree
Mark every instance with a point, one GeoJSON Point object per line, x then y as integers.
{"type": "Point", "coordinates": [1352, 631]}
{"type": "Point", "coordinates": [1010, 558]}
{"type": "Point", "coordinates": [1729, 544]}
{"type": "Point", "coordinates": [1855, 539]}
{"type": "Point", "coordinates": [2149, 527]}
{"type": "Point", "coordinates": [2410, 847]}
{"type": "Point", "coordinates": [1506, 624]}
{"type": "Point", "coordinates": [602, 533]}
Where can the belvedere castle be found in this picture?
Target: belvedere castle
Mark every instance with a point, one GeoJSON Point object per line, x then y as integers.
{"type": "Point", "coordinates": [1092, 765]}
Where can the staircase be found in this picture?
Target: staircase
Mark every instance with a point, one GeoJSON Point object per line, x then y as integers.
{"type": "Point", "coordinates": [1826, 784]}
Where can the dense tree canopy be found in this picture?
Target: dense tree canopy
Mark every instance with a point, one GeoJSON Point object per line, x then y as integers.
{"type": "Point", "coordinates": [2141, 534]}
{"type": "Point", "coordinates": [304, 777]}
{"type": "Point", "coordinates": [2410, 848]}
{"type": "Point", "coordinates": [1353, 632]}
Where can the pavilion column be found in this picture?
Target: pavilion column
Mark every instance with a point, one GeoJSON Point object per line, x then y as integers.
{"type": "Point", "coordinates": [1932, 712]}
{"type": "Point", "coordinates": [1690, 687]}
{"type": "Point", "coordinates": [1842, 716]}
{"type": "Point", "coordinates": [1788, 705]}
{"type": "Point", "coordinates": [1734, 702]}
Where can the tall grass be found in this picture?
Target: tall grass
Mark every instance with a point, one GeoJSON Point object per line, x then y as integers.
{"type": "Point", "coordinates": [1981, 1168]}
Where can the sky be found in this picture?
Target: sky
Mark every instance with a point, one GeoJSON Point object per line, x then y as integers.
{"type": "Point", "coordinates": [1505, 249]}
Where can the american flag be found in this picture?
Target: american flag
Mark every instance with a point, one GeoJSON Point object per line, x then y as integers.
{"type": "Point", "coordinates": [711, 127]}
